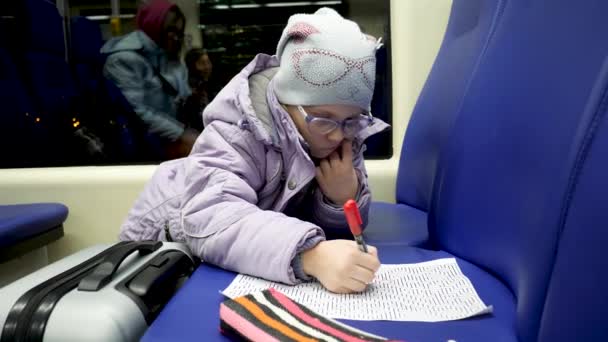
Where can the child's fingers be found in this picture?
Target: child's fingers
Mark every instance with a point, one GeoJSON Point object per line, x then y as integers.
{"type": "Point", "coordinates": [320, 177]}
{"type": "Point", "coordinates": [372, 250]}
{"type": "Point", "coordinates": [334, 158]}
{"type": "Point", "coordinates": [362, 275]}
{"type": "Point", "coordinates": [325, 166]}
{"type": "Point", "coordinates": [354, 285]}
{"type": "Point", "coordinates": [347, 151]}
{"type": "Point", "coordinates": [368, 261]}
{"type": "Point", "coordinates": [343, 290]}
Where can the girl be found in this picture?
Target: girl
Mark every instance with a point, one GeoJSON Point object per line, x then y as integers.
{"type": "Point", "coordinates": [199, 73]}
{"type": "Point", "coordinates": [279, 156]}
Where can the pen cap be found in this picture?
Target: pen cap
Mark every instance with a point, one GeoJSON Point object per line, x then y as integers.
{"type": "Point", "coordinates": [353, 217]}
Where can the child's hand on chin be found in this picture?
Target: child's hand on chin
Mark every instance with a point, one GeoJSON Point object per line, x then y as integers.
{"type": "Point", "coordinates": [336, 175]}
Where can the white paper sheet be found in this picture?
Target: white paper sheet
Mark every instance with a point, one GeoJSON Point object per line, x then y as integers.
{"type": "Point", "coordinates": [431, 291]}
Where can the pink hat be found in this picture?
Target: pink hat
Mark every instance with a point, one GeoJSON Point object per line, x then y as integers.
{"type": "Point", "coordinates": [325, 59]}
{"type": "Point", "coordinates": [151, 18]}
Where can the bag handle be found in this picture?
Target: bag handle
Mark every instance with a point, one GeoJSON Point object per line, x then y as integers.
{"type": "Point", "coordinates": [103, 273]}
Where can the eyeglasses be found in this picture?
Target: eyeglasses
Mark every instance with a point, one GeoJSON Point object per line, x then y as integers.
{"type": "Point", "coordinates": [350, 127]}
{"type": "Point", "coordinates": [175, 34]}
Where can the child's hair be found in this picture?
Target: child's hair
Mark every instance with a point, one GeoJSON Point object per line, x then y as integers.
{"type": "Point", "coordinates": [192, 56]}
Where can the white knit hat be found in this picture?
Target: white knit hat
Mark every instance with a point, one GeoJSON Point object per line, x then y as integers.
{"type": "Point", "coordinates": [325, 59]}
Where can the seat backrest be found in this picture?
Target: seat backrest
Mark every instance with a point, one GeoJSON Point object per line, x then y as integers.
{"type": "Point", "coordinates": [44, 27]}
{"type": "Point", "coordinates": [49, 79]}
{"type": "Point", "coordinates": [22, 132]}
{"type": "Point", "coordinates": [470, 28]}
{"type": "Point", "coordinates": [11, 25]}
{"type": "Point", "coordinates": [51, 82]}
{"type": "Point", "coordinates": [576, 308]}
{"type": "Point", "coordinates": [49, 75]}
{"type": "Point", "coordinates": [505, 178]}
{"type": "Point", "coordinates": [86, 42]}
{"type": "Point", "coordinates": [15, 112]}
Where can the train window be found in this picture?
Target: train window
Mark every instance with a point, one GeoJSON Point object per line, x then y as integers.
{"type": "Point", "coordinates": [89, 82]}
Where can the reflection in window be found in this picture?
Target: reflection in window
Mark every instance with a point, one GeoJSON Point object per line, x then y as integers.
{"type": "Point", "coordinates": [63, 103]}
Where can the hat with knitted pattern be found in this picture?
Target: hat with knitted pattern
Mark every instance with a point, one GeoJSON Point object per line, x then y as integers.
{"type": "Point", "coordinates": [325, 60]}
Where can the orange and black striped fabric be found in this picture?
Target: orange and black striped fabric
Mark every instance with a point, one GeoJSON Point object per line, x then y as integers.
{"type": "Point", "coordinates": [271, 316]}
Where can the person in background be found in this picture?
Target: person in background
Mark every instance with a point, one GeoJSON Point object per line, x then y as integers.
{"type": "Point", "coordinates": [145, 65]}
{"type": "Point", "coordinates": [199, 72]}
{"type": "Point", "coordinates": [281, 153]}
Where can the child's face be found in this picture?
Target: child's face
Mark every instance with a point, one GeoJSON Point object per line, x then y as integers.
{"type": "Point", "coordinates": [204, 67]}
{"type": "Point", "coordinates": [322, 144]}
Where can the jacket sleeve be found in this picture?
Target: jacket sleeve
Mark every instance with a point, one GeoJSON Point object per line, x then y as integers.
{"type": "Point", "coordinates": [221, 220]}
{"type": "Point", "coordinates": [330, 216]}
{"type": "Point", "coordinates": [128, 71]}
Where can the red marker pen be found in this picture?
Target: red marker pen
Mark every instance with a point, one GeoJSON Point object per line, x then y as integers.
{"type": "Point", "coordinates": [353, 217]}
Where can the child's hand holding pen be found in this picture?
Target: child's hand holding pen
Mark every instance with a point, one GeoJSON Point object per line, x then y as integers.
{"type": "Point", "coordinates": [343, 266]}
{"type": "Point", "coordinates": [340, 266]}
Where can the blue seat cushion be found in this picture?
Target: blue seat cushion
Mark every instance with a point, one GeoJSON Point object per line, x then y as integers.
{"type": "Point", "coordinates": [396, 224]}
{"type": "Point", "coordinates": [194, 311]}
{"type": "Point", "coordinates": [22, 221]}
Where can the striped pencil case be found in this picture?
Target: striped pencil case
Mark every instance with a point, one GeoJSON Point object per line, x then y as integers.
{"type": "Point", "coordinates": [271, 316]}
